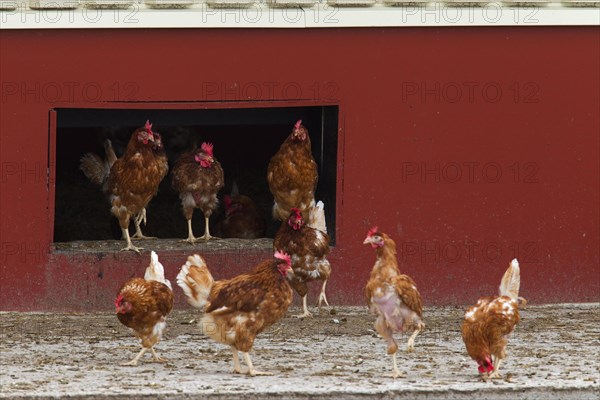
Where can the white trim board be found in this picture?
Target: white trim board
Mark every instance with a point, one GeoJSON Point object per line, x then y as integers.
{"type": "Point", "coordinates": [260, 15]}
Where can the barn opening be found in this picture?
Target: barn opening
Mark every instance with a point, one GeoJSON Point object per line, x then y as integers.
{"type": "Point", "coordinates": [244, 141]}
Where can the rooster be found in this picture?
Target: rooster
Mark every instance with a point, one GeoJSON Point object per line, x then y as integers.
{"type": "Point", "coordinates": [242, 219]}
{"type": "Point", "coordinates": [198, 177]}
{"type": "Point", "coordinates": [292, 176]}
{"type": "Point", "coordinates": [238, 309]}
{"type": "Point", "coordinates": [308, 248]}
{"type": "Point", "coordinates": [131, 181]}
{"type": "Point", "coordinates": [392, 296]}
{"type": "Point", "coordinates": [488, 323]}
{"type": "Point", "coordinates": [143, 305]}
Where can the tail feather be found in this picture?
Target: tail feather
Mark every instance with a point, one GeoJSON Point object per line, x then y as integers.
{"type": "Point", "coordinates": [196, 281]}
{"type": "Point", "coordinates": [155, 271]}
{"type": "Point", "coordinates": [317, 217]}
{"type": "Point", "coordinates": [111, 157]}
{"type": "Point", "coordinates": [94, 168]}
{"type": "Point", "coordinates": [511, 281]}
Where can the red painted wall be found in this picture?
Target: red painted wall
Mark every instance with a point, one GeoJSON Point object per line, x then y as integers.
{"type": "Point", "coordinates": [469, 146]}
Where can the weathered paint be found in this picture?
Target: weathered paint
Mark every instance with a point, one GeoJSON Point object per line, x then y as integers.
{"type": "Point", "coordinates": [462, 176]}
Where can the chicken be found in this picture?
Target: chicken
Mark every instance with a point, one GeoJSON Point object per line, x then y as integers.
{"type": "Point", "coordinates": [392, 296]}
{"type": "Point", "coordinates": [238, 309]}
{"type": "Point", "coordinates": [292, 176]}
{"type": "Point", "coordinates": [159, 151]}
{"type": "Point", "coordinates": [143, 305]}
{"type": "Point", "coordinates": [242, 219]}
{"type": "Point", "coordinates": [488, 323]}
{"type": "Point", "coordinates": [131, 181]}
{"type": "Point", "coordinates": [308, 248]}
{"type": "Point", "coordinates": [198, 177]}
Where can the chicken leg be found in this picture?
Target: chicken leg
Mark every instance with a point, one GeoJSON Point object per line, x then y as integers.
{"type": "Point", "coordinates": [383, 329]}
{"type": "Point", "coordinates": [306, 313]}
{"type": "Point", "coordinates": [130, 245]}
{"type": "Point", "coordinates": [207, 235]}
{"type": "Point", "coordinates": [410, 345]}
{"type": "Point", "coordinates": [237, 368]}
{"type": "Point", "coordinates": [395, 371]}
{"type": "Point", "coordinates": [156, 357]}
{"type": "Point", "coordinates": [322, 296]}
{"type": "Point", "coordinates": [496, 373]}
{"type": "Point", "coordinates": [251, 370]}
{"type": "Point", "coordinates": [190, 239]}
{"type": "Point", "coordinates": [137, 358]}
{"type": "Point", "coordinates": [141, 217]}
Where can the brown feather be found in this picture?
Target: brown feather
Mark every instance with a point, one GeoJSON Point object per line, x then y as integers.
{"type": "Point", "coordinates": [244, 223]}
{"type": "Point", "coordinates": [203, 184]}
{"type": "Point", "coordinates": [486, 326]}
{"type": "Point", "coordinates": [308, 248]}
{"type": "Point", "coordinates": [292, 176]}
{"type": "Point", "coordinates": [134, 178]}
{"type": "Point", "coordinates": [392, 296]}
{"type": "Point", "coordinates": [151, 302]}
{"type": "Point", "coordinates": [246, 305]}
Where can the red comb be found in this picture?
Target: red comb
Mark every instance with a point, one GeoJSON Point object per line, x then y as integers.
{"type": "Point", "coordinates": [372, 231]}
{"type": "Point", "coordinates": [297, 212]}
{"type": "Point", "coordinates": [148, 126]}
{"type": "Point", "coordinates": [298, 123]}
{"type": "Point", "coordinates": [208, 148]}
{"type": "Point", "coordinates": [284, 257]}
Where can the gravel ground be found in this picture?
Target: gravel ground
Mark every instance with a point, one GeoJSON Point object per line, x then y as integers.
{"type": "Point", "coordinates": [553, 354]}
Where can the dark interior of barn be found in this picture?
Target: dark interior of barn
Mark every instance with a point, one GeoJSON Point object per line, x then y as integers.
{"type": "Point", "coordinates": [244, 141]}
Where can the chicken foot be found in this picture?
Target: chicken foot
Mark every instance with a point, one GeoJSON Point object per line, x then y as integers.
{"type": "Point", "coordinates": [190, 239]}
{"type": "Point", "coordinates": [322, 296]}
{"type": "Point", "coordinates": [410, 345]}
{"type": "Point", "coordinates": [130, 245]}
{"type": "Point", "coordinates": [134, 362]}
{"type": "Point", "coordinates": [237, 368]}
{"type": "Point", "coordinates": [383, 329]}
{"type": "Point", "coordinates": [156, 357]}
{"type": "Point", "coordinates": [251, 371]}
{"type": "Point", "coordinates": [496, 372]}
{"type": "Point", "coordinates": [395, 371]}
{"type": "Point", "coordinates": [141, 217]}
{"type": "Point", "coordinates": [306, 313]}
{"type": "Point", "coordinates": [207, 235]}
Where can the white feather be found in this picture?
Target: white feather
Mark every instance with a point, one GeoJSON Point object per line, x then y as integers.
{"type": "Point", "coordinates": [155, 271]}
{"type": "Point", "coordinates": [317, 217]}
{"type": "Point", "coordinates": [190, 287]}
{"type": "Point", "coordinates": [511, 281]}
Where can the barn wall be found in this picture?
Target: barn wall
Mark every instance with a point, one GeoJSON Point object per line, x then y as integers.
{"type": "Point", "coordinates": [469, 146]}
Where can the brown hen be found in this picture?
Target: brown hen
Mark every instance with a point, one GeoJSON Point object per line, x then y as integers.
{"type": "Point", "coordinates": [392, 296]}
{"type": "Point", "coordinates": [292, 175]}
{"type": "Point", "coordinates": [198, 177]}
{"type": "Point", "coordinates": [488, 323]}
{"type": "Point", "coordinates": [238, 309]}
{"type": "Point", "coordinates": [131, 181]}
{"type": "Point", "coordinates": [143, 305]}
{"type": "Point", "coordinates": [308, 248]}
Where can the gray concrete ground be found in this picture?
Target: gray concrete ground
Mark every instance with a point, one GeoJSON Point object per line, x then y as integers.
{"type": "Point", "coordinates": [553, 354]}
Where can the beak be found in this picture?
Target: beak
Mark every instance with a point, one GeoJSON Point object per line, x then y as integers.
{"type": "Point", "coordinates": [367, 241]}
